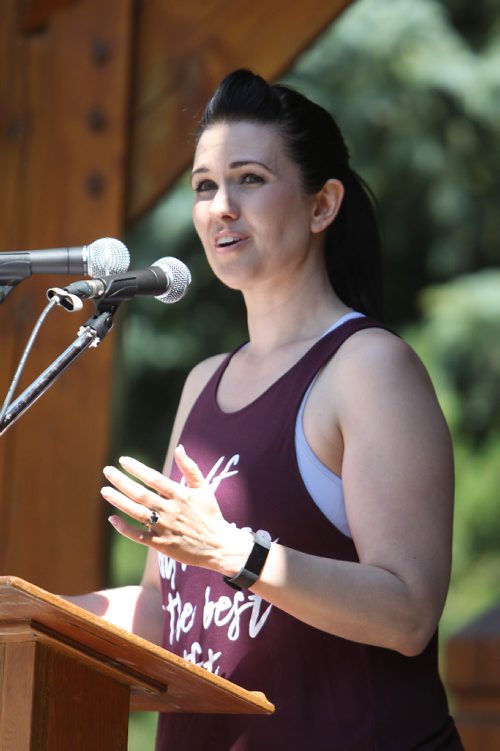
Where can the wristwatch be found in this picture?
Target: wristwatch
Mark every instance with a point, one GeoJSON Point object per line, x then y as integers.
{"type": "Point", "coordinates": [252, 569]}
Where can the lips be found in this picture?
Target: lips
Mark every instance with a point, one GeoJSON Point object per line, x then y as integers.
{"type": "Point", "coordinates": [226, 240]}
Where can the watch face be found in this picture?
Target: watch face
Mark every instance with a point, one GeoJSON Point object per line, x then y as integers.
{"type": "Point", "coordinates": [263, 537]}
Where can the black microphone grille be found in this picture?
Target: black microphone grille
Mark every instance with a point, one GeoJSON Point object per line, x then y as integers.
{"type": "Point", "coordinates": [180, 279]}
{"type": "Point", "coordinates": [107, 257]}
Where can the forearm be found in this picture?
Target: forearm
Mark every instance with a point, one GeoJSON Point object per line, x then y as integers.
{"type": "Point", "coordinates": [133, 608]}
{"type": "Point", "coordinates": [358, 602]}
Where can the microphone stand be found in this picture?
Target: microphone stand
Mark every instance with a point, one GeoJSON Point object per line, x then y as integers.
{"type": "Point", "coordinates": [90, 334]}
{"type": "Point", "coordinates": [5, 289]}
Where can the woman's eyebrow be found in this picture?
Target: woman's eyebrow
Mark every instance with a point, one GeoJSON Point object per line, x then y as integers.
{"type": "Point", "coordinates": [198, 170]}
{"type": "Point", "coordinates": [235, 165]}
{"type": "Point", "coordinates": [246, 162]}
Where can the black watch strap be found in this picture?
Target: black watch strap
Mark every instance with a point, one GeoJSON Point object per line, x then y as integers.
{"type": "Point", "coordinates": [255, 562]}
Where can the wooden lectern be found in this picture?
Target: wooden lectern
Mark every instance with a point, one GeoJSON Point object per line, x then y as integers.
{"type": "Point", "coordinates": [68, 678]}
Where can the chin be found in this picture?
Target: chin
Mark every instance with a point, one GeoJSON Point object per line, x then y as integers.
{"type": "Point", "coordinates": [236, 275]}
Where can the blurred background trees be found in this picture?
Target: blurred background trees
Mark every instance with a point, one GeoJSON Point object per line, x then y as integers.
{"type": "Point", "coordinates": [415, 87]}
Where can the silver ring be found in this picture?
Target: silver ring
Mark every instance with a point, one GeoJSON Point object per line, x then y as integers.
{"type": "Point", "coordinates": [153, 519]}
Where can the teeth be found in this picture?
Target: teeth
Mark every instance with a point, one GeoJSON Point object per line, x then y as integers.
{"type": "Point", "coordinates": [226, 240]}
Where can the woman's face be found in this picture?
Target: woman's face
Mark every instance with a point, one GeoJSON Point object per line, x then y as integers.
{"type": "Point", "coordinates": [250, 211]}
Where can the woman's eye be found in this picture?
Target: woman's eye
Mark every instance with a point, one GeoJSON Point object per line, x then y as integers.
{"type": "Point", "coordinates": [250, 177]}
{"type": "Point", "coordinates": [203, 186]}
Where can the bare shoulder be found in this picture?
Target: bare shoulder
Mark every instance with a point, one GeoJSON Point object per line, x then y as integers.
{"type": "Point", "coordinates": [377, 344]}
{"type": "Point", "coordinates": [376, 375]}
{"type": "Point", "coordinates": [378, 359]}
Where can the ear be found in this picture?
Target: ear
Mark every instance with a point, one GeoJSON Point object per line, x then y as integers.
{"type": "Point", "coordinates": [326, 205]}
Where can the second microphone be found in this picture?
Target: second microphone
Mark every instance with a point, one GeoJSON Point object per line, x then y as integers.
{"type": "Point", "coordinates": [167, 280]}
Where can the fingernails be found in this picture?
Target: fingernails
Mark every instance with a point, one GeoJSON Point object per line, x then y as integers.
{"type": "Point", "coordinates": [126, 460]}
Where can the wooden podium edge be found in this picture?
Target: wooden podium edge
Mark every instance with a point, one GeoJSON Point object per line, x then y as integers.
{"type": "Point", "coordinates": [159, 680]}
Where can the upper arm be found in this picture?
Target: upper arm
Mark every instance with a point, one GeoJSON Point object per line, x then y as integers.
{"type": "Point", "coordinates": [397, 466]}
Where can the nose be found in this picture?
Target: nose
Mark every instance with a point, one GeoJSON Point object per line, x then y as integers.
{"type": "Point", "coordinates": [223, 204]}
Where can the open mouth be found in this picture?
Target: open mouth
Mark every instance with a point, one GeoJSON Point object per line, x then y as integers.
{"type": "Point", "coordinates": [227, 241]}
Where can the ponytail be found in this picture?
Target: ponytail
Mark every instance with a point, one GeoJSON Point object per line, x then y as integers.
{"type": "Point", "coordinates": [353, 249]}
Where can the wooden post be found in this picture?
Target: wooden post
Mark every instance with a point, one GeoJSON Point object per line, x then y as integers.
{"type": "Point", "coordinates": [64, 113]}
{"type": "Point", "coordinates": [51, 699]}
{"type": "Point", "coordinates": [473, 677]}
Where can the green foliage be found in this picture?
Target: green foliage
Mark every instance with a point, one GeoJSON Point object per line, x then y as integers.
{"type": "Point", "coordinates": [458, 340]}
{"type": "Point", "coordinates": [461, 332]}
{"type": "Point", "coordinates": [142, 731]}
{"type": "Point", "coordinates": [421, 112]}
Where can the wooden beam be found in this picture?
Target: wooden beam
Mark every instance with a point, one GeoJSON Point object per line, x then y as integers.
{"type": "Point", "coordinates": [182, 52]}
{"type": "Point", "coordinates": [62, 150]}
{"type": "Point", "coordinates": [38, 13]}
{"type": "Point", "coordinates": [472, 662]}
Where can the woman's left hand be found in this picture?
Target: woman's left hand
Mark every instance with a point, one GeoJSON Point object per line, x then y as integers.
{"type": "Point", "coordinates": [188, 524]}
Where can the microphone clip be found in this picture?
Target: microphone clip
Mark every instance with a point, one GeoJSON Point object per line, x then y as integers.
{"type": "Point", "coordinates": [99, 325]}
{"type": "Point", "coordinates": [73, 302]}
{"type": "Point", "coordinates": [65, 299]}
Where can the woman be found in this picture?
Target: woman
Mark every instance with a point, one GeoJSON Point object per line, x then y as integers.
{"type": "Point", "coordinates": [322, 434]}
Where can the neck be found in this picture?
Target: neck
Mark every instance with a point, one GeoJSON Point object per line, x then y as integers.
{"type": "Point", "coordinates": [300, 311]}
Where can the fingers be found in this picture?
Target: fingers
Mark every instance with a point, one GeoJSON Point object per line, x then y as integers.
{"type": "Point", "coordinates": [139, 508]}
{"type": "Point", "coordinates": [150, 491]}
{"type": "Point", "coordinates": [129, 487]}
{"type": "Point", "coordinates": [132, 533]}
{"type": "Point", "coordinates": [151, 477]}
{"type": "Point", "coordinates": [157, 481]}
{"type": "Point", "coordinates": [137, 511]}
{"type": "Point", "coordinates": [189, 468]}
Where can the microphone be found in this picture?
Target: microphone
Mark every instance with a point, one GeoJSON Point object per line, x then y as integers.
{"type": "Point", "coordinates": [167, 280]}
{"type": "Point", "coordinates": [104, 256]}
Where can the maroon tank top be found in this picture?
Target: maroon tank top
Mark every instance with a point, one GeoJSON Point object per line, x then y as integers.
{"type": "Point", "coordinates": [331, 694]}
